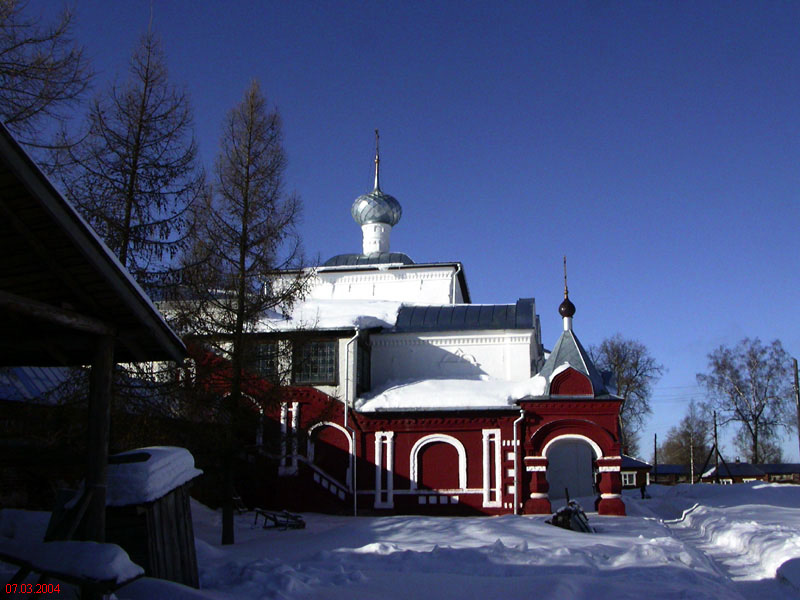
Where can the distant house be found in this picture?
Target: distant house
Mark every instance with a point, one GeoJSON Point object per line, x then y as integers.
{"type": "Point", "coordinates": [670, 474]}
{"type": "Point", "coordinates": [737, 472]}
{"type": "Point", "coordinates": [781, 473]}
{"type": "Point", "coordinates": [634, 472]}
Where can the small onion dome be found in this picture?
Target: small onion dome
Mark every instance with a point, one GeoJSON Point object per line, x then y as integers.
{"type": "Point", "coordinates": [376, 207]}
{"type": "Point", "coordinates": [566, 308]}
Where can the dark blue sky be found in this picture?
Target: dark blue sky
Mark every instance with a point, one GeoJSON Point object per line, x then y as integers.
{"type": "Point", "coordinates": [656, 144]}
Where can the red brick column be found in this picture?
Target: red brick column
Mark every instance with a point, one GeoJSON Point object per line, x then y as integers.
{"type": "Point", "coordinates": [610, 487]}
{"type": "Point", "coordinates": [538, 503]}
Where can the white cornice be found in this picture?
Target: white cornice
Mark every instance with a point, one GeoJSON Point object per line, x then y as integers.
{"type": "Point", "coordinates": [457, 339]}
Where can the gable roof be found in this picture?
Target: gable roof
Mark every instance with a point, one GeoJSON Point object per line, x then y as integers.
{"type": "Point", "coordinates": [569, 351]}
{"type": "Point", "coordinates": [60, 285]}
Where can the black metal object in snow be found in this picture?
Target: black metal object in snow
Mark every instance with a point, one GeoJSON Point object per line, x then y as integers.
{"type": "Point", "coordinates": [282, 520]}
{"type": "Point", "coordinates": [571, 517]}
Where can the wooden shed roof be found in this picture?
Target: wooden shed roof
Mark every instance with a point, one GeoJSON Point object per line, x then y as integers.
{"type": "Point", "coordinates": [60, 286]}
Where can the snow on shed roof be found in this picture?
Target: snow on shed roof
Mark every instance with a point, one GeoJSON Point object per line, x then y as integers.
{"type": "Point", "coordinates": [147, 474]}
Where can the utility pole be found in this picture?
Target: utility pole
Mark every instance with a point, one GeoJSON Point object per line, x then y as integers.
{"type": "Point", "coordinates": [655, 457]}
{"type": "Point", "coordinates": [716, 450]}
{"type": "Point", "coordinates": [796, 398]}
{"type": "Point", "coordinates": [691, 452]}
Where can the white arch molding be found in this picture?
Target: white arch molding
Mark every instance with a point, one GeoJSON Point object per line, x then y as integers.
{"type": "Point", "coordinates": [433, 438]}
{"type": "Point", "coordinates": [574, 436]}
{"type": "Point", "coordinates": [321, 424]}
{"type": "Point", "coordinates": [327, 424]}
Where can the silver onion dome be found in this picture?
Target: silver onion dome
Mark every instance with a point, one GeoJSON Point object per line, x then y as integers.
{"type": "Point", "coordinates": [376, 206]}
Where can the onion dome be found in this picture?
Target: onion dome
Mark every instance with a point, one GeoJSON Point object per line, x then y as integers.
{"type": "Point", "coordinates": [376, 206]}
{"type": "Point", "coordinates": [566, 308]}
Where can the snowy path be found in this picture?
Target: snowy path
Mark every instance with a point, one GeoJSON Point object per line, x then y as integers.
{"type": "Point", "coordinates": [752, 545]}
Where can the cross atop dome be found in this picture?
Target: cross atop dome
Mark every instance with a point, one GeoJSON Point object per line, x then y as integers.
{"type": "Point", "coordinates": [376, 212]}
{"type": "Point", "coordinates": [566, 309]}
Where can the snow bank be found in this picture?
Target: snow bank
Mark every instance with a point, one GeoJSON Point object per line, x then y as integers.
{"type": "Point", "coordinates": [335, 314]}
{"type": "Point", "coordinates": [165, 469]}
{"type": "Point", "coordinates": [16, 524]}
{"type": "Point", "coordinates": [755, 526]}
{"type": "Point", "coordinates": [100, 562]}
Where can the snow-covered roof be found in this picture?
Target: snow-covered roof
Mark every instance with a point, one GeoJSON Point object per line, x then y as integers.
{"type": "Point", "coordinates": [568, 352]}
{"type": "Point", "coordinates": [334, 315]}
{"type": "Point", "coordinates": [73, 268]}
{"type": "Point", "coordinates": [147, 474]}
{"type": "Point", "coordinates": [448, 394]}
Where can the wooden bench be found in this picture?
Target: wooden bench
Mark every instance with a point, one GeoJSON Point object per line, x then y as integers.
{"type": "Point", "coordinates": [282, 520]}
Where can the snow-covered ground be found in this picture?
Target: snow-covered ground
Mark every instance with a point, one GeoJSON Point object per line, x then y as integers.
{"type": "Point", "coordinates": [698, 542]}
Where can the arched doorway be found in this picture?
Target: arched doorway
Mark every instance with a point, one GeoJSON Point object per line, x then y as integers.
{"type": "Point", "coordinates": [330, 451]}
{"type": "Point", "coordinates": [570, 467]}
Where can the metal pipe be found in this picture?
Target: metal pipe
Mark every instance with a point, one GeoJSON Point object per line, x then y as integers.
{"type": "Point", "coordinates": [455, 278]}
{"type": "Point", "coordinates": [516, 462]}
{"type": "Point", "coordinates": [348, 381]}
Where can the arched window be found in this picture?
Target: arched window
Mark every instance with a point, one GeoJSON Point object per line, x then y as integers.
{"type": "Point", "coordinates": [440, 453]}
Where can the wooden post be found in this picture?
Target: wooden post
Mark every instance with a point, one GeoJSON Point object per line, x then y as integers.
{"type": "Point", "coordinates": [97, 444]}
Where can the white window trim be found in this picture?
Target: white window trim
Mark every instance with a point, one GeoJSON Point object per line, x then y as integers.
{"type": "Point", "coordinates": [492, 436]}
{"type": "Point", "coordinates": [384, 439]}
{"type": "Point", "coordinates": [447, 439]}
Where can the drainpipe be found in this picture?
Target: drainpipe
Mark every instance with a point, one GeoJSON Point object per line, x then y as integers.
{"type": "Point", "coordinates": [455, 279]}
{"type": "Point", "coordinates": [516, 462]}
{"type": "Point", "coordinates": [348, 397]}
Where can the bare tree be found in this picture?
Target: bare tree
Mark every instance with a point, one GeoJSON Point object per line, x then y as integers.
{"type": "Point", "coordinates": [751, 384]}
{"type": "Point", "coordinates": [43, 73]}
{"type": "Point", "coordinates": [246, 238]}
{"type": "Point", "coordinates": [688, 441]}
{"type": "Point", "coordinates": [135, 176]}
{"type": "Point", "coordinates": [635, 371]}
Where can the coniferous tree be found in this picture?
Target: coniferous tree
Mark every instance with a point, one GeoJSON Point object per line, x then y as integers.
{"type": "Point", "coordinates": [135, 176]}
{"type": "Point", "coordinates": [43, 73]}
{"type": "Point", "coordinates": [246, 238]}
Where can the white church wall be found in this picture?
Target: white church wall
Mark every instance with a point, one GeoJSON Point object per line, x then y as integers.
{"type": "Point", "coordinates": [424, 285]}
{"type": "Point", "coordinates": [456, 355]}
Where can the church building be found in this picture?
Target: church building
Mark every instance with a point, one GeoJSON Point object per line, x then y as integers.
{"type": "Point", "coordinates": [408, 398]}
